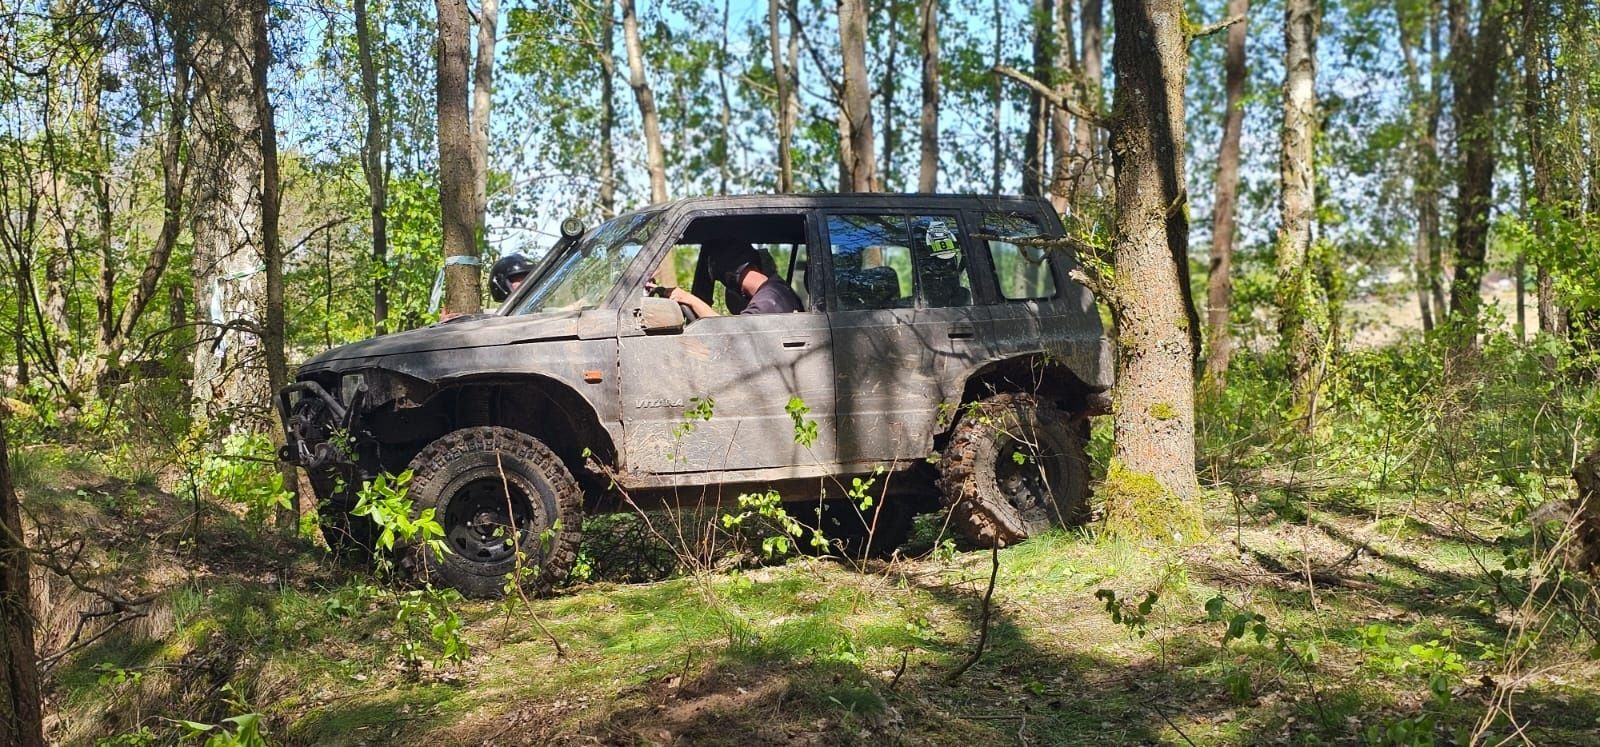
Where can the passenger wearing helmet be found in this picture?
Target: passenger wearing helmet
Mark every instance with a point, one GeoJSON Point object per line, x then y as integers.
{"type": "Point", "coordinates": [749, 290]}
{"type": "Point", "coordinates": [507, 275]}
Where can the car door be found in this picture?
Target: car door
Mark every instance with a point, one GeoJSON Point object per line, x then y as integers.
{"type": "Point", "coordinates": [901, 308]}
{"type": "Point", "coordinates": [716, 396]}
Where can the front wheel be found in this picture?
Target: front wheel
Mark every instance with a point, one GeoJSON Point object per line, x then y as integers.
{"type": "Point", "coordinates": [1015, 466]}
{"type": "Point", "coordinates": [507, 505]}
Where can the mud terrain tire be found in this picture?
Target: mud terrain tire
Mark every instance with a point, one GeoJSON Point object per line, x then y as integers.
{"type": "Point", "coordinates": [994, 497]}
{"type": "Point", "coordinates": [470, 478]}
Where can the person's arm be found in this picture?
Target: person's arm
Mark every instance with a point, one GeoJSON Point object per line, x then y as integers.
{"type": "Point", "coordinates": [700, 308]}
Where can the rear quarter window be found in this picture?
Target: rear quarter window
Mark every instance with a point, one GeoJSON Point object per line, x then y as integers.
{"type": "Point", "coordinates": [1022, 272]}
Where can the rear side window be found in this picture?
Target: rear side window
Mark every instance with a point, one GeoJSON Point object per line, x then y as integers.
{"type": "Point", "coordinates": [1022, 271]}
{"type": "Point", "coordinates": [882, 261]}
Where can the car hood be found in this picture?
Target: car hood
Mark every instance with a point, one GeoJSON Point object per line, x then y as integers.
{"type": "Point", "coordinates": [487, 331]}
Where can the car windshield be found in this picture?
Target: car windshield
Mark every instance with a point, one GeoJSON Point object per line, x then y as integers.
{"type": "Point", "coordinates": [579, 278]}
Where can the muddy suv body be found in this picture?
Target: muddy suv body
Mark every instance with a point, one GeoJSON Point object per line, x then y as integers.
{"type": "Point", "coordinates": [924, 328]}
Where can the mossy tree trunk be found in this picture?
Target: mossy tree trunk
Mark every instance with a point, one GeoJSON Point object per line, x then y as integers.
{"type": "Point", "coordinates": [1302, 319]}
{"type": "Point", "coordinates": [1154, 419]}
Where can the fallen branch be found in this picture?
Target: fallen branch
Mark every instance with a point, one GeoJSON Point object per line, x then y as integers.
{"type": "Point", "coordinates": [983, 620]}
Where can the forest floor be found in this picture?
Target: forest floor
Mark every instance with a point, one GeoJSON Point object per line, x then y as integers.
{"type": "Point", "coordinates": [1366, 617]}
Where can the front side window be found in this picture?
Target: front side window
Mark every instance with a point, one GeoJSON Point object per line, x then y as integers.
{"type": "Point", "coordinates": [882, 261]}
{"type": "Point", "coordinates": [1022, 271]}
{"type": "Point", "coordinates": [581, 278]}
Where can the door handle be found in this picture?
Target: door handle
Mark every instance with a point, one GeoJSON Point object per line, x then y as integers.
{"type": "Point", "coordinates": [795, 342]}
{"type": "Point", "coordinates": [961, 333]}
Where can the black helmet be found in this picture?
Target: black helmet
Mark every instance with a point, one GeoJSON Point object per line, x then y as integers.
{"type": "Point", "coordinates": [509, 269]}
{"type": "Point", "coordinates": [726, 261]}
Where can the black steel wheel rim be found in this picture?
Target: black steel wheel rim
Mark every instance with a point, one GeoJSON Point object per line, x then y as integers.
{"type": "Point", "coordinates": [479, 519]}
{"type": "Point", "coordinates": [1029, 481]}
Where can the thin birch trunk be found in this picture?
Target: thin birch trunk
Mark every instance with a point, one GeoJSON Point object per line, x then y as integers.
{"type": "Point", "coordinates": [482, 106]}
{"type": "Point", "coordinates": [655, 158]}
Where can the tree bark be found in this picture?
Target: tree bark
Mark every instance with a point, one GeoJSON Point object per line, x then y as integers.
{"type": "Point", "coordinates": [997, 108]}
{"type": "Point", "coordinates": [1066, 75]}
{"type": "Point", "coordinates": [928, 123]}
{"type": "Point", "coordinates": [1036, 147]}
{"type": "Point", "coordinates": [725, 134]}
{"type": "Point", "coordinates": [1087, 163]}
{"type": "Point", "coordinates": [482, 105]}
{"type": "Point", "coordinates": [1476, 75]}
{"type": "Point", "coordinates": [1300, 312]}
{"type": "Point", "coordinates": [608, 112]}
{"type": "Point", "coordinates": [22, 720]}
{"type": "Point", "coordinates": [272, 252]}
{"type": "Point", "coordinates": [457, 209]}
{"type": "Point", "coordinates": [374, 155]}
{"type": "Point", "coordinates": [655, 159]}
{"type": "Point", "coordinates": [1586, 542]}
{"type": "Point", "coordinates": [231, 380]}
{"type": "Point", "coordinates": [1154, 418]}
{"type": "Point", "coordinates": [886, 92]}
{"type": "Point", "coordinates": [1219, 282]}
{"type": "Point", "coordinates": [783, 87]}
{"type": "Point", "coordinates": [856, 101]}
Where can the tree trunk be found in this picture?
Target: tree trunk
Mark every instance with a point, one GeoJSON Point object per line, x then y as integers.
{"type": "Point", "coordinates": [482, 104]}
{"type": "Point", "coordinates": [374, 154]}
{"type": "Point", "coordinates": [1300, 312]}
{"type": "Point", "coordinates": [230, 375]}
{"type": "Point", "coordinates": [456, 205]}
{"type": "Point", "coordinates": [1061, 146]}
{"type": "Point", "coordinates": [1586, 543]}
{"type": "Point", "coordinates": [1154, 418]}
{"type": "Point", "coordinates": [1036, 147]}
{"type": "Point", "coordinates": [655, 159]}
{"type": "Point", "coordinates": [272, 253]}
{"type": "Point", "coordinates": [725, 134]}
{"type": "Point", "coordinates": [1476, 73]}
{"type": "Point", "coordinates": [928, 123]}
{"type": "Point", "coordinates": [887, 91]}
{"type": "Point", "coordinates": [997, 108]}
{"type": "Point", "coordinates": [781, 85]}
{"type": "Point", "coordinates": [1219, 283]}
{"type": "Point", "coordinates": [856, 101]}
{"type": "Point", "coordinates": [608, 113]}
{"type": "Point", "coordinates": [1087, 163]}
{"type": "Point", "coordinates": [22, 721]}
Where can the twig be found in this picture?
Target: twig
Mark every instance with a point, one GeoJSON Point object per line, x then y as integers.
{"type": "Point", "coordinates": [983, 621]}
{"type": "Point", "coordinates": [895, 680]}
{"type": "Point", "coordinates": [1210, 29]}
{"type": "Point", "coordinates": [1152, 705]}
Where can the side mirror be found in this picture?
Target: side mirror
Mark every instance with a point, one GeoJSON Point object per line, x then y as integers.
{"type": "Point", "coordinates": [660, 316]}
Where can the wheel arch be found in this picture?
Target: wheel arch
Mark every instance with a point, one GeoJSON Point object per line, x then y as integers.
{"type": "Point", "coordinates": [1035, 373]}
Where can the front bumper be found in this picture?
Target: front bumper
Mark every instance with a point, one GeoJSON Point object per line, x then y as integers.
{"type": "Point", "coordinates": [314, 420]}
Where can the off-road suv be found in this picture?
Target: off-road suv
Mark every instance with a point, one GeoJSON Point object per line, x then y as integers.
{"type": "Point", "coordinates": [938, 349]}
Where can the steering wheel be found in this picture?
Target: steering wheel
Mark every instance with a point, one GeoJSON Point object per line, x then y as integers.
{"type": "Point", "coordinates": [689, 317]}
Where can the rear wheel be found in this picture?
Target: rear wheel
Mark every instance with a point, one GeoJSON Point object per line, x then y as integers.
{"type": "Point", "coordinates": [1014, 467]}
{"type": "Point", "coordinates": [507, 505]}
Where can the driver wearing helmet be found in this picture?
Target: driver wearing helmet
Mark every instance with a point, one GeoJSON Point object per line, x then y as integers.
{"type": "Point", "coordinates": [749, 290]}
{"type": "Point", "coordinates": [507, 275]}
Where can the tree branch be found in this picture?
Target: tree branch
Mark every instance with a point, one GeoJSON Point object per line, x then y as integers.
{"type": "Point", "coordinates": [1054, 97]}
{"type": "Point", "coordinates": [1199, 31]}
